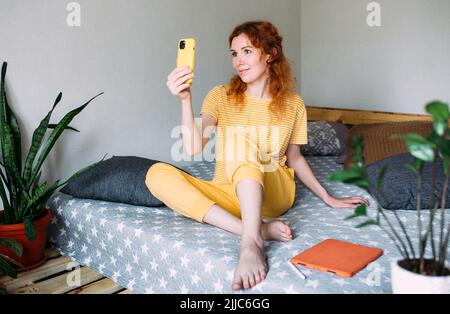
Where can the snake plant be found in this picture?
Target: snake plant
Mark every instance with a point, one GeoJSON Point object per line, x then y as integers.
{"type": "Point", "coordinates": [22, 194]}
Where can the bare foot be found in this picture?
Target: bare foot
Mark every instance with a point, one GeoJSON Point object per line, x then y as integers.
{"type": "Point", "coordinates": [252, 266]}
{"type": "Point", "coordinates": [276, 230]}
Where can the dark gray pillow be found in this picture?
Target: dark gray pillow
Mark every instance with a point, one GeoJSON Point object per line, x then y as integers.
{"type": "Point", "coordinates": [118, 179]}
{"type": "Point", "coordinates": [400, 185]}
{"type": "Point", "coordinates": [322, 140]}
{"type": "Point", "coordinates": [342, 133]}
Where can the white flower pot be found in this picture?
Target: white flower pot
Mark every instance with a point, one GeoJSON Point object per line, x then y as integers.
{"type": "Point", "coordinates": [406, 282]}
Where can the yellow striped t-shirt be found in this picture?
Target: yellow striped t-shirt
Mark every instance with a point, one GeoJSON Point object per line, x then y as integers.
{"type": "Point", "coordinates": [272, 135]}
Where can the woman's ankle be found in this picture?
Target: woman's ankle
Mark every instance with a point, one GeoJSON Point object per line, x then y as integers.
{"type": "Point", "coordinates": [252, 239]}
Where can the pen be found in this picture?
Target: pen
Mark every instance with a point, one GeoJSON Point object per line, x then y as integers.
{"type": "Point", "coordinates": [298, 271]}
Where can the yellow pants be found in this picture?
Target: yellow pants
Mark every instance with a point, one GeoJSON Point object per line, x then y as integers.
{"type": "Point", "coordinates": [193, 197]}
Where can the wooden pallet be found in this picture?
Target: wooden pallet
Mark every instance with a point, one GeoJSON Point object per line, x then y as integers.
{"type": "Point", "coordinates": [60, 275]}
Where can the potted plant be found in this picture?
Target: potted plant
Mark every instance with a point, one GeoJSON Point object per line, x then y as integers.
{"type": "Point", "coordinates": [416, 272]}
{"type": "Point", "coordinates": [24, 218]}
{"type": "Point", "coordinates": [5, 261]}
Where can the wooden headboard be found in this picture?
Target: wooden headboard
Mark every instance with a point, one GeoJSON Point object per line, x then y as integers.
{"type": "Point", "coordinates": [352, 116]}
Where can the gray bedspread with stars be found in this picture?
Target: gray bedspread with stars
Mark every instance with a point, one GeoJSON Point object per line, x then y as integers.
{"type": "Point", "coordinates": [154, 250]}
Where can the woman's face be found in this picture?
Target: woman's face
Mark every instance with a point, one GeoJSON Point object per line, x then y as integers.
{"type": "Point", "coordinates": [247, 60]}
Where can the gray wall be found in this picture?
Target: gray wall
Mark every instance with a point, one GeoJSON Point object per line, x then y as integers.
{"type": "Point", "coordinates": [397, 67]}
{"type": "Point", "coordinates": [125, 49]}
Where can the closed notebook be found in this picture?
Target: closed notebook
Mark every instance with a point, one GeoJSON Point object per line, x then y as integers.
{"type": "Point", "coordinates": [338, 257]}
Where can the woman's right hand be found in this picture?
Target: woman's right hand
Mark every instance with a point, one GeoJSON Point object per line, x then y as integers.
{"type": "Point", "coordinates": [176, 82]}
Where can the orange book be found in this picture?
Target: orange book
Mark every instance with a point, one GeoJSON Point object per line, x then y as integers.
{"type": "Point", "coordinates": [338, 257]}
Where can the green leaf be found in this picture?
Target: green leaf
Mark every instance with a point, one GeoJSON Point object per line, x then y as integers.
{"type": "Point", "coordinates": [440, 113]}
{"type": "Point", "coordinates": [12, 245]}
{"type": "Point", "coordinates": [83, 170]}
{"type": "Point", "coordinates": [6, 268]}
{"type": "Point", "coordinates": [367, 223]}
{"type": "Point", "coordinates": [411, 168]}
{"type": "Point", "coordinates": [419, 164]}
{"type": "Point", "coordinates": [357, 148]}
{"type": "Point", "coordinates": [11, 167]}
{"type": "Point", "coordinates": [11, 260]}
{"type": "Point", "coordinates": [433, 137]}
{"type": "Point", "coordinates": [15, 130]}
{"type": "Point", "coordinates": [381, 175]}
{"type": "Point", "coordinates": [358, 158]}
{"type": "Point", "coordinates": [53, 126]}
{"type": "Point", "coordinates": [345, 175]}
{"type": "Point", "coordinates": [36, 142]}
{"type": "Point", "coordinates": [55, 135]}
{"type": "Point", "coordinates": [41, 201]}
{"type": "Point", "coordinates": [358, 139]}
{"type": "Point", "coordinates": [361, 182]}
{"type": "Point", "coordinates": [419, 147]}
{"type": "Point", "coordinates": [7, 217]}
{"type": "Point", "coordinates": [10, 145]}
{"type": "Point", "coordinates": [7, 140]}
{"type": "Point", "coordinates": [29, 228]}
{"type": "Point", "coordinates": [350, 177]}
{"type": "Point", "coordinates": [444, 148]}
{"type": "Point", "coordinates": [361, 210]}
{"type": "Point", "coordinates": [38, 193]}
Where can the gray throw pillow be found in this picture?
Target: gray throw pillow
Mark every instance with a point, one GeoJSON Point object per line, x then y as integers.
{"type": "Point", "coordinates": [342, 133]}
{"type": "Point", "coordinates": [118, 179]}
{"type": "Point", "coordinates": [322, 140]}
{"type": "Point", "coordinates": [400, 185]}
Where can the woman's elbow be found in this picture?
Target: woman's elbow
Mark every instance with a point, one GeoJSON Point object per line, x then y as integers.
{"type": "Point", "coordinates": [292, 159]}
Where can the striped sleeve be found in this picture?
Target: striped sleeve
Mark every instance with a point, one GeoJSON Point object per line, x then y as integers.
{"type": "Point", "coordinates": [211, 102]}
{"type": "Point", "coordinates": [299, 134]}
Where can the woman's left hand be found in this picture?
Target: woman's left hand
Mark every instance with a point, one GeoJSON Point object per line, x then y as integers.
{"type": "Point", "coordinates": [345, 202]}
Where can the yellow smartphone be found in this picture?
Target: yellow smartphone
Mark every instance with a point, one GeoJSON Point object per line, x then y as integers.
{"type": "Point", "coordinates": [186, 54]}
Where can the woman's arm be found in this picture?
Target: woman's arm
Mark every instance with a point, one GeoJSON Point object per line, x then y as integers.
{"type": "Point", "coordinates": [190, 135]}
{"type": "Point", "coordinates": [296, 161]}
{"type": "Point", "coordinates": [194, 140]}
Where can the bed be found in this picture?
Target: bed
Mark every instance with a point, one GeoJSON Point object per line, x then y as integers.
{"type": "Point", "coordinates": [154, 250]}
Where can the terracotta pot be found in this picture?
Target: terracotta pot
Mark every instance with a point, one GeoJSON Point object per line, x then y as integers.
{"type": "Point", "coordinates": [33, 252]}
{"type": "Point", "coordinates": [407, 282]}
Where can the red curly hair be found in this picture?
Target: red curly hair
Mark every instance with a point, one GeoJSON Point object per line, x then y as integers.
{"type": "Point", "coordinates": [264, 35]}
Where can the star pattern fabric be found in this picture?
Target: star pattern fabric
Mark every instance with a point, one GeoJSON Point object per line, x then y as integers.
{"type": "Point", "coordinates": [155, 250]}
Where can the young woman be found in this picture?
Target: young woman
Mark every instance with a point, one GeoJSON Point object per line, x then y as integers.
{"type": "Point", "coordinates": [261, 123]}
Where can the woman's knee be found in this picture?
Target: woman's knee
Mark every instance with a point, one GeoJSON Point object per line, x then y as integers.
{"type": "Point", "coordinates": [248, 170]}
{"type": "Point", "coordinates": [157, 174]}
{"type": "Point", "coordinates": [277, 205]}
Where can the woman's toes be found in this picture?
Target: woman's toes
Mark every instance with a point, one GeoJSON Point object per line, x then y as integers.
{"type": "Point", "coordinates": [237, 285]}
{"type": "Point", "coordinates": [262, 274]}
{"type": "Point", "coordinates": [289, 231]}
{"type": "Point", "coordinates": [251, 280]}
{"type": "Point", "coordinates": [257, 278]}
{"type": "Point", "coordinates": [246, 282]}
{"type": "Point", "coordinates": [286, 229]}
